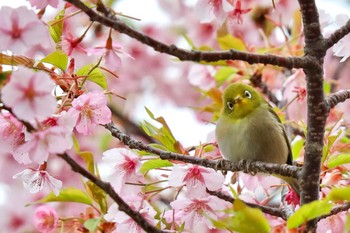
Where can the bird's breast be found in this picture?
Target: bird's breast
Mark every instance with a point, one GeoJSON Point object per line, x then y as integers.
{"type": "Point", "coordinates": [258, 137]}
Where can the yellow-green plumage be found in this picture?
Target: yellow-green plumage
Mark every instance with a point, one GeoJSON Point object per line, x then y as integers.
{"type": "Point", "coordinates": [249, 129]}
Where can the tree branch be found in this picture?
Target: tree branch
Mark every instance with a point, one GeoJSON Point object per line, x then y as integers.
{"type": "Point", "coordinates": [336, 210]}
{"type": "Point", "coordinates": [110, 20]}
{"type": "Point", "coordinates": [268, 210]}
{"type": "Point", "coordinates": [337, 35]}
{"type": "Point", "coordinates": [123, 206]}
{"type": "Point", "coordinates": [317, 112]}
{"type": "Point", "coordinates": [222, 165]}
{"type": "Point", "coordinates": [335, 98]}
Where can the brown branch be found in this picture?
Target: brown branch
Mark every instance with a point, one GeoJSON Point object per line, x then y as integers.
{"type": "Point", "coordinates": [222, 165]}
{"type": "Point", "coordinates": [337, 35]}
{"type": "Point", "coordinates": [123, 206]}
{"type": "Point", "coordinates": [268, 210]}
{"type": "Point", "coordinates": [110, 20]}
{"type": "Point", "coordinates": [256, 80]}
{"type": "Point", "coordinates": [317, 113]}
{"type": "Point", "coordinates": [336, 210]}
{"type": "Point", "coordinates": [130, 126]}
{"type": "Point", "coordinates": [333, 99]}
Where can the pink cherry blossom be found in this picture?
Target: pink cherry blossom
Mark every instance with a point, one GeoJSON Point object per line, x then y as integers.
{"type": "Point", "coordinates": [208, 10]}
{"type": "Point", "coordinates": [109, 52]}
{"type": "Point", "coordinates": [202, 76]}
{"type": "Point", "coordinates": [41, 143]}
{"type": "Point", "coordinates": [12, 136]}
{"type": "Point", "coordinates": [195, 211]}
{"type": "Point", "coordinates": [45, 219]}
{"type": "Point", "coordinates": [28, 93]}
{"type": "Point", "coordinates": [71, 44]}
{"type": "Point", "coordinates": [238, 12]}
{"type": "Point", "coordinates": [196, 179]}
{"type": "Point", "coordinates": [20, 30]}
{"type": "Point", "coordinates": [124, 222]}
{"type": "Point", "coordinates": [342, 48]}
{"type": "Point", "coordinates": [125, 166]}
{"type": "Point", "coordinates": [35, 180]}
{"type": "Point", "coordinates": [91, 109]}
{"type": "Point", "coordinates": [296, 109]}
{"type": "Point", "coordinates": [41, 4]}
{"type": "Point", "coordinates": [334, 223]}
{"type": "Point", "coordinates": [292, 198]}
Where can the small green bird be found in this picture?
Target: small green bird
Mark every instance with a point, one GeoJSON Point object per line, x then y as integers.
{"type": "Point", "coordinates": [249, 129]}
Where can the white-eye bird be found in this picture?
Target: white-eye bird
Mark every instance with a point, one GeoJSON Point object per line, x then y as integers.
{"type": "Point", "coordinates": [249, 129]}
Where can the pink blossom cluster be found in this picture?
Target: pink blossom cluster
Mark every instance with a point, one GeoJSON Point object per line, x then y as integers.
{"type": "Point", "coordinates": [61, 73]}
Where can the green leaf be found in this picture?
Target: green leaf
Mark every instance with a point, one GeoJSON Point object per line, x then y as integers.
{"type": "Point", "coordinates": [327, 87]}
{"type": "Point", "coordinates": [97, 194]}
{"type": "Point", "coordinates": [67, 195]}
{"type": "Point", "coordinates": [162, 134]}
{"type": "Point", "coordinates": [297, 147]}
{"type": "Point", "coordinates": [223, 74]}
{"type": "Point", "coordinates": [189, 41]}
{"type": "Point", "coordinates": [56, 26]}
{"type": "Point", "coordinates": [347, 223]}
{"type": "Point", "coordinates": [57, 58]}
{"type": "Point", "coordinates": [228, 42]}
{"type": "Point", "coordinates": [297, 25]}
{"type": "Point", "coordinates": [92, 224]}
{"type": "Point", "coordinates": [309, 212]}
{"type": "Point", "coordinates": [89, 159]}
{"type": "Point", "coordinates": [338, 160]}
{"type": "Point", "coordinates": [339, 194]}
{"type": "Point", "coordinates": [328, 147]}
{"type": "Point", "coordinates": [245, 220]}
{"type": "Point", "coordinates": [94, 74]}
{"type": "Point", "coordinates": [154, 164]}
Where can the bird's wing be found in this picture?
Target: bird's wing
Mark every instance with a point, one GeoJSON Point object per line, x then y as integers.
{"type": "Point", "coordinates": [290, 156]}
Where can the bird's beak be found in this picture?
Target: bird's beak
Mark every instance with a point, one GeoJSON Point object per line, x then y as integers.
{"type": "Point", "coordinates": [238, 99]}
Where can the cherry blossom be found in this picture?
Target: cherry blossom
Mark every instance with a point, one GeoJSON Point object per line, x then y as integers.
{"type": "Point", "coordinates": [238, 12]}
{"type": "Point", "coordinates": [20, 30]}
{"type": "Point", "coordinates": [196, 178]}
{"type": "Point", "coordinates": [195, 211]}
{"type": "Point", "coordinates": [125, 166]}
{"type": "Point", "coordinates": [342, 48]}
{"type": "Point", "coordinates": [35, 180]}
{"type": "Point", "coordinates": [292, 198]}
{"type": "Point", "coordinates": [110, 54]}
{"type": "Point", "coordinates": [301, 92]}
{"type": "Point", "coordinates": [208, 10]}
{"type": "Point", "coordinates": [45, 219]}
{"type": "Point", "coordinates": [41, 143]}
{"type": "Point", "coordinates": [40, 4]}
{"type": "Point", "coordinates": [202, 76]}
{"type": "Point", "coordinates": [90, 109]}
{"type": "Point", "coordinates": [28, 93]}
{"type": "Point", "coordinates": [296, 109]}
{"type": "Point", "coordinates": [124, 222]}
{"type": "Point", "coordinates": [11, 135]}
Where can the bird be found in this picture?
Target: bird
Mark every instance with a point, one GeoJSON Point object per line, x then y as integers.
{"type": "Point", "coordinates": [249, 129]}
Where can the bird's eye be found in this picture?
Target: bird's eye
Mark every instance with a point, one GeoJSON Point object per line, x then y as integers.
{"type": "Point", "coordinates": [248, 94]}
{"type": "Point", "coordinates": [230, 105]}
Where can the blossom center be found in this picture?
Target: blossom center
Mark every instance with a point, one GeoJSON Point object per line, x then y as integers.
{"type": "Point", "coordinates": [16, 31]}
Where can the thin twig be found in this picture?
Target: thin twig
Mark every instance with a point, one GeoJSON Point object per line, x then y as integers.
{"type": "Point", "coordinates": [336, 210]}
{"type": "Point", "coordinates": [268, 210]}
{"type": "Point", "coordinates": [222, 165]}
{"type": "Point", "coordinates": [110, 20]}
{"type": "Point", "coordinates": [337, 35]}
{"type": "Point", "coordinates": [122, 205]}
{"type": "Point", "coordinates": [335, 98]}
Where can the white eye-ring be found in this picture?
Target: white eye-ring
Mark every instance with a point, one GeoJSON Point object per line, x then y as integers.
{"type": "Point", "coordinates": [230, 105]}
{"type": "Point", "coordinates": [247, 94]}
